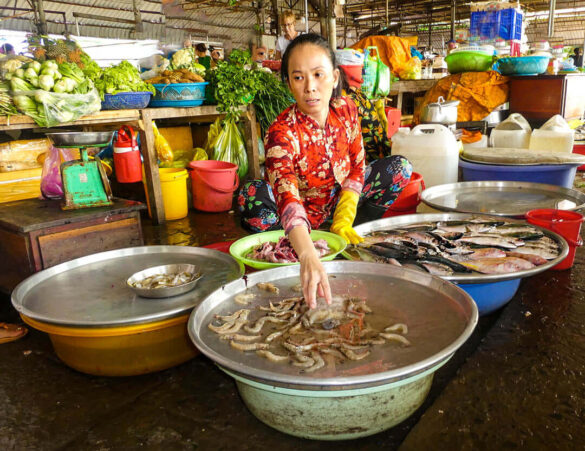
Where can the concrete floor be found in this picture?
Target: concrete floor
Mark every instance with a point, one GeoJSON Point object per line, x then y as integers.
{"type": "Point", "coordinates": [518, 383]}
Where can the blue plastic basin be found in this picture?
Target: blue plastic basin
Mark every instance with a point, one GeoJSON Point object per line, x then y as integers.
{"type": "Point", "coordinates": [491, 296]}
{"type": "Point", "coordinates": [552, 174]}
{"type": "Point", "coordinates": [178, 94]}
{"type": "Point", "coordinates": [523, 65]}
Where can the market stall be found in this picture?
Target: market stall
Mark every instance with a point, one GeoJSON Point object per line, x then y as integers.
{"type": "Point", "coordinates": [339, 317]}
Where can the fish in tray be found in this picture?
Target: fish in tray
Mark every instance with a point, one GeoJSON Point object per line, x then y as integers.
{"type": "Point", "coordinates": [310, 339]}
{"type": "Point", "coordinates": [459, 247]}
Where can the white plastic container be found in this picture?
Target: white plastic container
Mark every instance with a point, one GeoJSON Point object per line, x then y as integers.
{"type": "Point", "coordinates": [432, 150]}
{"type": "Point", "coordinates": [554, 136]}
{"type": "Point", "coordinates": [483, 142]}
{"type": "Point", "coordinates": [513, 132]}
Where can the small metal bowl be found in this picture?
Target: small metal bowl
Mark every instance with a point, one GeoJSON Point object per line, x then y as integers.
{"type": "Point", "coordinates": [164, 292]}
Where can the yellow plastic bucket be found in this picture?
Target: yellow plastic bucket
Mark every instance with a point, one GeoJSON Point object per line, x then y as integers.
{"type": "Point", "coordinates": [121, 350]}
{"type": "Point", "coordinates": [173, 184]}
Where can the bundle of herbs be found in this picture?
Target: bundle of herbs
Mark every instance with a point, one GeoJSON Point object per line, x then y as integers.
{"type": "Point", "coordinates": [271, 99]}
{"type": "Point", "coordinates": [238, 82]}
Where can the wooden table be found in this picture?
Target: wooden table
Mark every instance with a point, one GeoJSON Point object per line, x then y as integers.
{"type": "Point", "coordinates": [398, 88]}
{"type": "Point", "coordinates": [142, 120]}
{"type": "Point", "coordinates": [36, 234]}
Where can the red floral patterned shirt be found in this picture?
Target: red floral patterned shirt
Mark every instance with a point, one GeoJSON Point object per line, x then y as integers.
{"type": "Point", "coordinates": [306, 165]}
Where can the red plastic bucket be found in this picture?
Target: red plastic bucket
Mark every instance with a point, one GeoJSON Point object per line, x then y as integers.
{"type": "Point", "coordinates": [213, 184]}
{"type": "Point", "coordinates": [580, 149]}
{"type": "Point", "coordinates": [565, 223]}
{"type": "Point", "coordinates": [408, 199]}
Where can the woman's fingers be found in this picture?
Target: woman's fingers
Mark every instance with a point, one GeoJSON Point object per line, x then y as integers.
{"type": "Point", "coordinates": [315, 283]}
{"type": "Point", "coordinates": [325, 288]}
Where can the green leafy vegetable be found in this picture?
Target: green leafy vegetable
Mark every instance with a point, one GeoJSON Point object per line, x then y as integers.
{"type": "Point", "coordinates": [271, 99]}
{"type": "Point", "coordinates": [121, 78]}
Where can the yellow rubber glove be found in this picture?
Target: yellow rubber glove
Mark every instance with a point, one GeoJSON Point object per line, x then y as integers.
{"type": "Point", "coordinates": [344, 216]}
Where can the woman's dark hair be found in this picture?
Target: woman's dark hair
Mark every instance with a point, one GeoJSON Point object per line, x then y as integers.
{"type": "Point", "coordinates": [201, 47]}
{"type": "Point", "coordinates": [309, 38]}
{"type": "Point", "coordinates": [6, 48]}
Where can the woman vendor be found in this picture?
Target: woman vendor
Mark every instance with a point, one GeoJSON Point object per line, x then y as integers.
{"type": "Point", "coordinates": [315, 163]}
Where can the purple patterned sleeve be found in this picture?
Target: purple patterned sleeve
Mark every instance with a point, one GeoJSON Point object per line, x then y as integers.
{"type": "Point", "coordinates": [294, 215]}
{"type": "Point", "coordinates": [353, 185]}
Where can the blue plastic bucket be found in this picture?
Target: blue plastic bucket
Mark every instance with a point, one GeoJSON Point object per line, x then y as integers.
{"type": "Point", "coordinates": [552, 174]}
{"type": "Point", "coordinates": [489, 297]}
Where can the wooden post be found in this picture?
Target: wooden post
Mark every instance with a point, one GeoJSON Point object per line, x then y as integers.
{"type": "Point", "coordinates": [42, 25]}
{"type": "Point", "coordinates": [151, 175]}
{"type": "Point", "coordinates": [277, 16]}
{"type": "Point", "coordinates": [453, 14]}
{"type": "Point", "coordinates": [331, 25]}
{"type": "Point", "coordinates": [251, 138]}
{"type": "Point", "coordinates": [137, 19]}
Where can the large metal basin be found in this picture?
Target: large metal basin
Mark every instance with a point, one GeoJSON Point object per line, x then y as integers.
{"type": "Point", "coordinates": [99, 325]}
{"type": "Point", "coordinates": [356, 398]}
{"type": "Point", "coordinates": [489, 291]}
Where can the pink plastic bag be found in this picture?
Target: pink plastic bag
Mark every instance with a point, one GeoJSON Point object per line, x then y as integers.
{"type": "Point", "coordinates": [51, 183]}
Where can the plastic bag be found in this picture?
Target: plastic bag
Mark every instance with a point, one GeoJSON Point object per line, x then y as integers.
{"type": "Point", "coordinates": [229, 146]}
{"type": "Point", "coordinates": [411, 70]}
{"type": "Point", "coordinates": [349, 57]}
{"type": "Point", "coordinates": [49, 109]}
{"type": "Point", "coordinates": [212, 135]}
{"type": "Point", "coordinates": [382, 79]}
{"type": "Point", "coordinates": [51, 182]}
{"type": "Point", "coordinates": [370, 74]}
{"type": "Point", "coordinates": [199, 154]}
{"type": "Point", "coordinates": [163, 149]}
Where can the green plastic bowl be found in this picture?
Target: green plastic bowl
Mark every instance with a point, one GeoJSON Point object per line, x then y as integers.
{"type": "Point", "coordinates": [469, 62]}
{"type": "Point", "coordinates": [241, 248]}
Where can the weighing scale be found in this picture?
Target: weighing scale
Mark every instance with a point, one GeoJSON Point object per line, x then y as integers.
{"type": "Point", "coordinates": [85, 183]}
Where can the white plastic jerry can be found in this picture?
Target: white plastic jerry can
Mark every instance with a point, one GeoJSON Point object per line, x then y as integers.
{"type": "Point", "coordinates": [432, 150]}
{"type": "Point", "coordinates": [554, 136]}
{"type": "Point", "coordinates": [513, 132]}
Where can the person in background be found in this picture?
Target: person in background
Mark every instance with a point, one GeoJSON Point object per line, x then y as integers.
{"type": "Point", "coordinates": [374, 133]}
{"type": "Point", "coordinates": [315, 164]}
{"type": "Point", "coordinates": [215, 56]}
{"type": "Point", "coordinates": [7, 49]}
{"type": "Point", "coordinates": [187, 44]}
{"type": "Point", "coordinates": [201, 54]}
{"type": "Point", "coordinates": [258, 53]}
{"type": "Point", "coordinates": [577, 57]}
{"type": "Point", "coordinates": [288, 21]}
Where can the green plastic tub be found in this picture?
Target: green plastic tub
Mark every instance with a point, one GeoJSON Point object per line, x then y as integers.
{"type": "Point", "coordinates": [469, 61]}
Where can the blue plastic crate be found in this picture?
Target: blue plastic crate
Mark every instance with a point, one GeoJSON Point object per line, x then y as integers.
{"type": "Point", "coordinates": [510, 24]}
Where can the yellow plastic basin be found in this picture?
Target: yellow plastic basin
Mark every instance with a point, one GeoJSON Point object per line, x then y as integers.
{"type": "Point", "coordinates": [121, 351]}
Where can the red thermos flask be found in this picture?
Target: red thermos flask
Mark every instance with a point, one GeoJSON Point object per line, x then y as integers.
{"type": "Point", "coordinates": [127, 156]}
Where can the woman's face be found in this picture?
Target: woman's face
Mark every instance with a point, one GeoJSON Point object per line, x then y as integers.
{"type": "Point", "coordinates": [311, 79]}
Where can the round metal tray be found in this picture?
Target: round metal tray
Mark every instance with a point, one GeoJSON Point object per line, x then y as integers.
{"type": "Point", "coordinates": [440, 317]}
{"type": "Point", "coordinates": [164, 292]}
{"type": "Point", "coordinates": [499, 198]}
{"type": "Point", "coordinates": [92, 291]}
{"type": "Point", "coordinates": [398, 221]}
{"type": "Point", "coordinates": [75, 139]}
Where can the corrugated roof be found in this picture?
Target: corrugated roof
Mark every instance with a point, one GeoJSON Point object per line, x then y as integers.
{"type": "Point", "coordinates": [208, 20]}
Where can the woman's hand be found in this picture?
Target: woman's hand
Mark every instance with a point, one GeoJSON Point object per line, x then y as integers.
{"type": "Point", "coordinates": [314, 280]}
